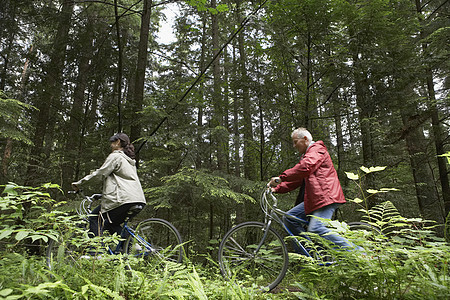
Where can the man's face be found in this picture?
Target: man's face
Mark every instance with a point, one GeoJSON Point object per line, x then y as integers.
{"type": "Point", "coordinates": [300, 144]}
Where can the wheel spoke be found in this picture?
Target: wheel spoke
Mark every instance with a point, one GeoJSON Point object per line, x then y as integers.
{"type": "Point", "coordinates": [159, 242]}
{"type": "Point", "coordinates": [238, 258]}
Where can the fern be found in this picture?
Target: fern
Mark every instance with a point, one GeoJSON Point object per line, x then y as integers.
{"type": "Point", "coordinates": [384, 216]}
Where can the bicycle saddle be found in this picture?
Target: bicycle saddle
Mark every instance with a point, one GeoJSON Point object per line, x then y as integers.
{"type": "Point", "coordinates": [134, 210]}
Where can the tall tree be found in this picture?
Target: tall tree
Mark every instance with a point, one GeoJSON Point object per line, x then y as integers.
{"type": "Point", "coordinates": [249, 151]}
{"type": "Point", "coordinates": [219, 136]}
{"type": "Point", "coordinates": [141, 67]}
{"type": "Point", "coordinates": [76, 116]}
{"type": "Point", "coordinates": [49, 100]}
{"type": "Point", "coordinates": [427, 24]}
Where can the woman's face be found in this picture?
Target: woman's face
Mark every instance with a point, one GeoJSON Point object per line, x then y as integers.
{"type": "Point", "coordinates": [116, 145]}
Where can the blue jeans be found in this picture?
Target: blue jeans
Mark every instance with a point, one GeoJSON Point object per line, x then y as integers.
{"type": "Point", "coordinates": [316, 225]}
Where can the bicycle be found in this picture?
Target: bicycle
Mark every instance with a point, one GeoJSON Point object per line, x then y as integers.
{"type": "Point", "coordinates": [255, 253]}
{"type": "Point", "coordinates": [155, 240]}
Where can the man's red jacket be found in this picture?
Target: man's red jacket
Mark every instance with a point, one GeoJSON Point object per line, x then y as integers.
{"type": "Point", "coordinates": [322, 185]}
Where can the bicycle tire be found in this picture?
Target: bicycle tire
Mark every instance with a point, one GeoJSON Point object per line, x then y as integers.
{"type": "Point", "coordinates": [63, 252]}
{"type": "Point", "coordinates": [163, 238]}
{"type": "Point", "coordinates": [239, 262]}
{"type": "Point", "coordinates": [370, 234]}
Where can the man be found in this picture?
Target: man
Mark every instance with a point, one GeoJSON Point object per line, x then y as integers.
{"type": "Point", "coordinates": [322, 190]}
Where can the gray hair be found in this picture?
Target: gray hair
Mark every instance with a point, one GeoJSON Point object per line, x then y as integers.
{"type": "Point", "coordinates": [301, 133]}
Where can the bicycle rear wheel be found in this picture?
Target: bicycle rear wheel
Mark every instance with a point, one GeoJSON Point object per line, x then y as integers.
{"type": "Point", "coordinates": [158, 242]}
{"type": "Point", "coordinates": [251, 257]}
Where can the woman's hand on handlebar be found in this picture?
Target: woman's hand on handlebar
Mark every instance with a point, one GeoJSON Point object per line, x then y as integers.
{"type": "Point", "coordinates": [75, 187]}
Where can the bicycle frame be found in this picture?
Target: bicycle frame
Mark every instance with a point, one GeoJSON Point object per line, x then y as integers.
{"type": "Point", "coordinates": [272, 212]}
{"type": "Point", "coordinates": [84, 210]}
{"type": "Point", "coordinates": [138, 238]}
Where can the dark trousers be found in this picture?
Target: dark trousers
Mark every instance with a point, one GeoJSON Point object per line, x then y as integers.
{"type": "Point", "coordinates": [109, 221]}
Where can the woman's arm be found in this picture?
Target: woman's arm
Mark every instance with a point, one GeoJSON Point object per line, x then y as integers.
{"type": "Point", "coordinates": [108, 167]}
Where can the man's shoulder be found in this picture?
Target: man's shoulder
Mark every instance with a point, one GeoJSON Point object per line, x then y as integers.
{"type": "Point", "coordinates": [318, 145]}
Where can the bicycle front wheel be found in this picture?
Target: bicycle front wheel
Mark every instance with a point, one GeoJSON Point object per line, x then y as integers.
{"type": "Point", "coordinates": [66, 251]}
{"type": "Point", "coordinates": [157, 241]}
{"type": "Point", "coordinates": [252, 255]}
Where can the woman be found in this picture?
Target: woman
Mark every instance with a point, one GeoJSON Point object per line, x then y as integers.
{"type": "Point", "coordinates": [121, 187]}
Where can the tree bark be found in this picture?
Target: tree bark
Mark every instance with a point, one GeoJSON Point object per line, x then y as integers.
{"type": "Point", "coordinates": [76, 117]}
{"type": "Point", "coordinates": [365, 124]}
{"type": "Point", "coordinates": [218, 114]}
{"type": "Point", "coordinates": [428, 200]}
{"type": "Point", "coordinates": [200, 156]}
{"type": "Point", "coordinates": [118, 83]}
{"type": "Point", "coordinates": [141, 66]}
{"type": "Point", "coordinates": [51, 95]}
{"type": "Point", "coordinates": [249, 153]}
{"type": "Point", "coordinates": [435, 122]}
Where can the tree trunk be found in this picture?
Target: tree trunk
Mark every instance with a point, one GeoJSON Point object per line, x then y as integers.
{"type": "Point", "coordinates": [5, 161]}
{"type": "Point", "coordinates": [249, 153]}
{"type": "Point", "coordinates": [339, 136]}
{"type": "Point", "coordinates": [218, 114]}
{"type": "Point", "coordinates": [200, 144]}
{"type": "Point", "coordinates": [427, 197]}
{"type": "Point", "coordinates": [436, 124]}
{"type": "Point", "coordinates": [141, 65]}
{"type": "Point", "coordinates": [118, 83]}
{"type": "Point", "coordinates": [226, 107]}
{"type": "Point", "coordinates": [76, 118]}
{"type": "Point", "coordinates": [439, 145]}
{"type": "Point", "coordinates": [51, 95]}
{"type": "Point", "coordinates": [365, 124]}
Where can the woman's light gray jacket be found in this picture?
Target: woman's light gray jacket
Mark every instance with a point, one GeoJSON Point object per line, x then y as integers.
{"type": "Point", "coordinates": [120, 181]}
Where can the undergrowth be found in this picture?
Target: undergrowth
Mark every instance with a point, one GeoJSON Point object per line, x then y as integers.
{"type": "Point", "coordinates": [401, 259]}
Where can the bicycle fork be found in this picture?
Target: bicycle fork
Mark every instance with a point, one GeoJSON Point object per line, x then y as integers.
{"type": "Point", "coordinates": [141, 241]}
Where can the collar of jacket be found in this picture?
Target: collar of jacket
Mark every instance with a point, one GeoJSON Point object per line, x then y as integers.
{"type": "Point", "coordinates": [310, 144]}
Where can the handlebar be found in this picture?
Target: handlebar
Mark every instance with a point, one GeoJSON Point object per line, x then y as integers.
{"type": "Point", "coordinates": [264, 202]}
{"type": "Point", "coordinates": [85, 205]}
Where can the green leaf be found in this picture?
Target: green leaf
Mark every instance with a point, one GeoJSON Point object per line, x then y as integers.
{"type": "Point", "coordinates": [10, 190]}
{"type": "Point", "coordinates": [5, 292]}
{"type": "Point", "coordinates": [370, 191]}
{"type": "Point", "coordinates": [446, 155]}
{"type": "Point", "coordinates": [39, 237]}
{"type": "Point", "coordinates": [6, 233]}
{"type": "Point", "coordinates": [372, 169]}
{"type": "Point", "coordinates": [356, 200]}
{"type": "Point", "coordinates": [21, 235]}
{"type": "Point", "coordinates": [389, 189]}
{"type": "Point", "coordinates": [84, 289]}
{"type": "Point", "coordinates": [352, 176]}
{"type": "Point", "coordinates": [222, 7]}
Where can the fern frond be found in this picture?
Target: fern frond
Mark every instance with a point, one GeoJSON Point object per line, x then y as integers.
{"type": "Point", "coordinates": [384, 216]}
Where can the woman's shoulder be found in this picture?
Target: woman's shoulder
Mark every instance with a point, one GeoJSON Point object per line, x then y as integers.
{"type": "Point", "coordinates": [120, 155]}
{"type": "Point", "coordinates": [115, 155]}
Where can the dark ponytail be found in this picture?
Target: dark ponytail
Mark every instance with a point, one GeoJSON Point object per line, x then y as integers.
{"type": "Point", "coordinates": [125, 143]}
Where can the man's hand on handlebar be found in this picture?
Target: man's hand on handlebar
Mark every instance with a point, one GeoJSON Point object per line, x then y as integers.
{"type": "Point", "coordinates": [274, 181]}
